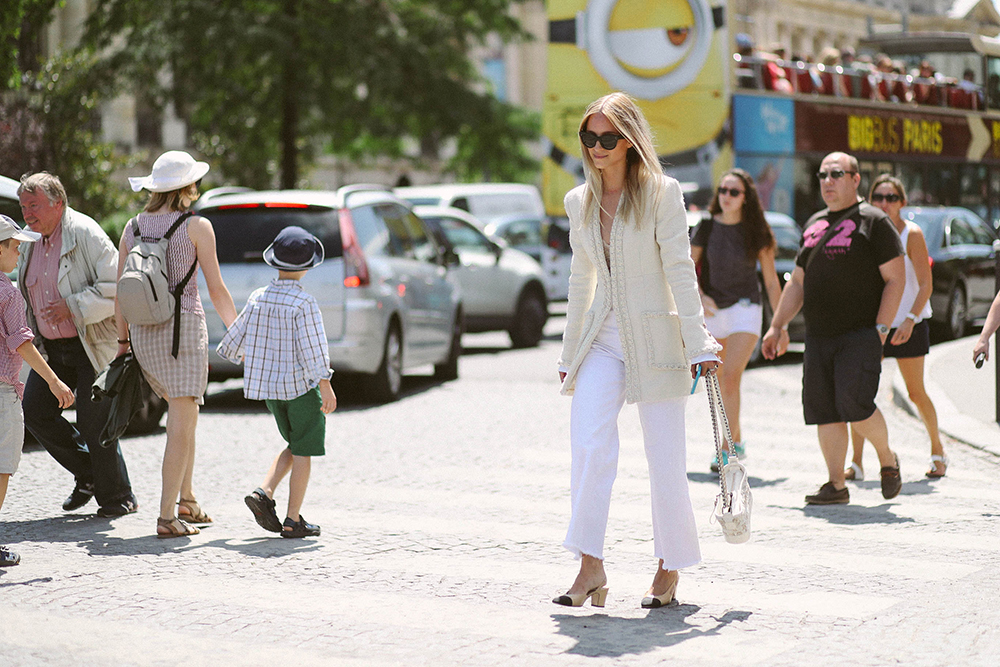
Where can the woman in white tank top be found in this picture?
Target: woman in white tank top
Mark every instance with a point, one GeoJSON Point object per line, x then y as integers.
{"type": "Point", "coordinates": [909, 339]}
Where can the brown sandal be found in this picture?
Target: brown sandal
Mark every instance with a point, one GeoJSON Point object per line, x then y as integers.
{"type": "Point", "coordinates": [194, 513]}
{"type": "Point", "coordinates": [172, 526]}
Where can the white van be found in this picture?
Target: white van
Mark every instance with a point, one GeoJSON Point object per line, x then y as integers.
{"type": "Point", "coordinates": [486, 201]}
{"type": "Point", "coordinates": [512, 212]}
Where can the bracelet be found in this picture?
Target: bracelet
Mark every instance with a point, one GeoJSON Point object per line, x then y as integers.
{"type": "Point", "coordinates": [123, 342]}
{"type": "Point", "coordinates": [911, 316]}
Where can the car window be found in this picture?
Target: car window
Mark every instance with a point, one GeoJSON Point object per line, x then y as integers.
{"type": "Point", "coordinates": [982, 233]}
{"type": "Point", "coordinates": [400, 244]}
{"type": "Point", "coordinates": [424, 247]}
{"type": "Point", "coordinates": [372, 233]}
{"type": "Point", "coordinates": [462, 203]}
{"type": "Point", "coordinates": [787, 237]}
{"type": "Point", "coordinates": [522, 232]}
{"type": "Point", "coordinates": [463, 236]}
{"type": "Point", "coordinates": [242, 233]}
{"type": "Point", "coordinates": [961, 232]}
{"type": "Point", "coordinates": [12, 209]}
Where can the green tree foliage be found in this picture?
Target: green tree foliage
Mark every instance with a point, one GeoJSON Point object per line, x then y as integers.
{"type": "Point", "coordinates": [264, 84]}
{"type": "Point", "coordinates": [48, 114]}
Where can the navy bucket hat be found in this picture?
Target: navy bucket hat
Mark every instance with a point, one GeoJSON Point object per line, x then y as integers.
{"type": "Point", "coordinates": [294, 249]}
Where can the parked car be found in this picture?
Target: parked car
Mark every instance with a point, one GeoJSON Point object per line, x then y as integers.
{"type": "Point", "coordinates": [788, 236]}
{"type": "Point", "coordinates": [962, 260]}
{"type": "Point", "coordinates": [557, 258]}
{"type": "Point", "coordinates": [486, 201]}
{"type": "Point", "coordinates": [529, 233]}
{"type": "Point", "coordinates": [502, 287]}
{"type": "Point", "coordinates": [389, 302]}
{"type": "Point", "coordinates": [152, 408]}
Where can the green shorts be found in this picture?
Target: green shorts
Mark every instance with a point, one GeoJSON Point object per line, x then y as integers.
{"type": "Point", "coordinates": [301, 422]}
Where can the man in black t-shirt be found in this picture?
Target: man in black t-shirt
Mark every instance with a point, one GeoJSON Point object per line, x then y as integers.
{"type": "Point", "coordinates": [848, 279]}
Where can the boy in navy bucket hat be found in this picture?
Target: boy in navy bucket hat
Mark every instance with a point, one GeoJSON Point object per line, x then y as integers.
{"type": "Point", "coordinates": [280, 340]}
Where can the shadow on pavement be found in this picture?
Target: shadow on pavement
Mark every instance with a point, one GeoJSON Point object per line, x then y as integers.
{"type": "Point", "coordinates": [91, 533]}
{"type": "Point", "coordinates": [853, 515]}
{"type": "Point", "coordinates": [920, 488]}
{"type": "Point", "coordinates": [713, 478]}
{"type": "Point", "coordinates": [600, 635]}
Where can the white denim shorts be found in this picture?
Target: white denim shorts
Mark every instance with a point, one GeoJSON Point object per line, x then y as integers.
{"type": "Point", "coordinates": [12, 433]}
{"type": "Point", "coordinates": [741, 317]}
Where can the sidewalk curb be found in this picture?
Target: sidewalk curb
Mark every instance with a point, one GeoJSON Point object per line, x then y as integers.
{"type": "Point", "coordinates": [976, 433]}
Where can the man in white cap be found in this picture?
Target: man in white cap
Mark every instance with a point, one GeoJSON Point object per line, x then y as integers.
{"type": "Point", "coordinates": [69, 279]}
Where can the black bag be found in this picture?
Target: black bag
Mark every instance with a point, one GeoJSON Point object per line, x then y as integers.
{"type": "Point", "coordinates": [123, 384]}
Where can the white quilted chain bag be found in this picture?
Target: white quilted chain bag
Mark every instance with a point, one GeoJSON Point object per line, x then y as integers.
{"type": "Point", "coordinates": [734, 502]}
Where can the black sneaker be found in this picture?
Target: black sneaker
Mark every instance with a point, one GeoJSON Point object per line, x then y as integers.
{"type": "Point", "coordinates": [263, 510]}
{"type": "Point", "coordinates": [8, 557]}
{"type": "Point", "coordinates": [892, 481]}
{"type": "Point", "coordinates": [122, 507]}
{"type": "Point", "coordinates": [829, 495]}
{"type": "Point", "coordinates": [82, 493]}
{"type": "Point", "coordinates": [299, 529]}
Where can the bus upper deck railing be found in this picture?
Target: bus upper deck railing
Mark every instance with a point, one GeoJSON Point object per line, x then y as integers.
{"type": "Point", "coordinates": [797, 77]}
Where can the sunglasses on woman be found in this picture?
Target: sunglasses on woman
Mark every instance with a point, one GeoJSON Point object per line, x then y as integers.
{"type": "Point", "coordinates": [892, 199]}
{"type": "Point", "coordinates": [732, 192]}
{"type": "Point", "coordinates": [608, 140]}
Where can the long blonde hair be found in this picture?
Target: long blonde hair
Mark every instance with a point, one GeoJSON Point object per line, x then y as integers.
{"type": "Point", "coordinates": [642, 168]}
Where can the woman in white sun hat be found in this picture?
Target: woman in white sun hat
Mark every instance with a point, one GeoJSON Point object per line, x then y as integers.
{"type": "Point", "coordinates": [181, 377]}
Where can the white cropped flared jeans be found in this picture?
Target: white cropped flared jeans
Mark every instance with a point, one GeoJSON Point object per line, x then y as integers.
{"type": "Point", "coordinates": [597, 399]}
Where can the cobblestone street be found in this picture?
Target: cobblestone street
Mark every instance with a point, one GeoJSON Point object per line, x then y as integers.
{"type": "Point", "coordinates": [442, 519]}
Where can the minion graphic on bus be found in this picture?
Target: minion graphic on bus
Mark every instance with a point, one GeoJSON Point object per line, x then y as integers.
{"type": "Point", "coordinates": [670, 55]}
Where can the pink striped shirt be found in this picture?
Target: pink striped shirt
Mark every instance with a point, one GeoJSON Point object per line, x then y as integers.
{"type": "Point", "coordinates": [42, 281]}
{"type": "Point", "coordinates": [180, 253]}
{"type": "Point", "coordinates": [15, 332]}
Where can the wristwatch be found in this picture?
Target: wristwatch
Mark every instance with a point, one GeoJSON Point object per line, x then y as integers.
{"type": "Point", "coordinates": [882, 329]}
{"type": "Point", "coordinates": [911, 316]}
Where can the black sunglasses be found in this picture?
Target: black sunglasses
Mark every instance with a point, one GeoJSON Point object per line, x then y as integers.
{"type": "Point", "coordinates": [833, 173]}
{"type": "Point", "coordinates": [732, 192]}
{"type": "Point", "coordinates": [892, 199]}
{"type": "Point", "coordinates": [608, 140]}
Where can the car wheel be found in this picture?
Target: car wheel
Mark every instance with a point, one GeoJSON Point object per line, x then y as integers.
{"type": "Point", "coordinates": [956, 319]}
{"type": "Point", "coordinates": [529, 320]}
{"type": "Point", "coordinates": [147, 419]}
{"type": "Point", "coordinates": [449, 369]}
{"type": "Point", "coordinates": [384, 385]}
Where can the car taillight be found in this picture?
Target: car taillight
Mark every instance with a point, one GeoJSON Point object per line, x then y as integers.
{"type": "Point", "coordinates": [930, 260]}
{"type": "Point", "coordinates": [355, 266]}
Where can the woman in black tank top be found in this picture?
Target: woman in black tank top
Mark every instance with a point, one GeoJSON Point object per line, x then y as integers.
{"type": "Point", "coordinates": [727, 248]}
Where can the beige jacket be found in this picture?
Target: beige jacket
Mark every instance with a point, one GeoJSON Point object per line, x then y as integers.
{"type": "Point", "coordinates": [88, 280]}
{"type": "Point", "coordinates": [651, 286]}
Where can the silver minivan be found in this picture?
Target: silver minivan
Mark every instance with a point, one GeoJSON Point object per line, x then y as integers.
{"type": "Point", "coordinates": [389, 301]}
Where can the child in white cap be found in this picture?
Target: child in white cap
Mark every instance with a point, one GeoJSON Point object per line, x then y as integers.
{"type": "Point", "coordinates": [17, 338]}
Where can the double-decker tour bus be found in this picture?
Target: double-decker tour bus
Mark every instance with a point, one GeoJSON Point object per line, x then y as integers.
{"type": "Point", "coordinates": [936, 126]}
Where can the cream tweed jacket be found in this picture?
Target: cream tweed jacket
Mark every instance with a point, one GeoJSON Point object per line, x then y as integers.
{"type": "Point", "coordinates": [651, 286]}
{"type": "Point", "coordinates": [88, 281]}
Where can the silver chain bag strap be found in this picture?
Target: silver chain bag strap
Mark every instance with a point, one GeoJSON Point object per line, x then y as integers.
{"type": "Point", "coordinates": [734, 502]}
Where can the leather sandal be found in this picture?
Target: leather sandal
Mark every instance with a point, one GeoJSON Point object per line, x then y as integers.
{"type": "Point", "coordinates": [933, 472]}
{"type": "Point", "coordinates": [194, 513]}
{"type": "Point", "coordinates": [176, 528]}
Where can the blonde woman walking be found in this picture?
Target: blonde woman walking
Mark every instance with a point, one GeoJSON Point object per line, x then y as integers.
{"type": "Point", "coordinates": [180, 378]}
{"type": "Point", "coordinates": [635, 333]}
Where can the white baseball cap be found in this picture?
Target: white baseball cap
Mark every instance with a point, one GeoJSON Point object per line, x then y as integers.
{"type": "Point", "coordinates": [10, 230]}
{"type": "Point", "coordinates": [172, 171]}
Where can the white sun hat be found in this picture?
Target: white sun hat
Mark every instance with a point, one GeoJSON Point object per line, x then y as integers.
{"type": "Point", "coordinates": [172, 171]}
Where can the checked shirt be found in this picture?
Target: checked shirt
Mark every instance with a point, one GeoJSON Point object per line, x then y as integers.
{"type": "Point", "coordinates": [280, 339]}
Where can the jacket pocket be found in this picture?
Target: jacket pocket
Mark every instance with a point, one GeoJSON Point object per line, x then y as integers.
{"type": "Point", "coordinates": [664, 344]}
